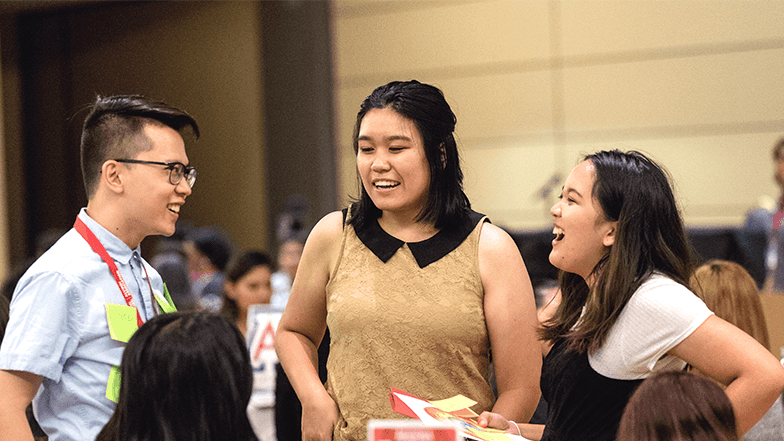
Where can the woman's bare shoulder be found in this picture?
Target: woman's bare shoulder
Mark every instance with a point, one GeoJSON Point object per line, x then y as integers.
{"type": "Point", "coordinates": [328, 227]}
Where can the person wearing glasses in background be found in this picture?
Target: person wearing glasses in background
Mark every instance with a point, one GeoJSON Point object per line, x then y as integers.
{"type": "Point", "coordinates": [76, 307]}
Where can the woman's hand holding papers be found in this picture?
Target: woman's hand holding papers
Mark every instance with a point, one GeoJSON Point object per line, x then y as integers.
{"type": "Point", "coordinates": [496, 421]}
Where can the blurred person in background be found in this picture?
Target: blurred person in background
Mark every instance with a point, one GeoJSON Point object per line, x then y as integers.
{"type": "Point", "coordinates": [731, 293]}
{"type": "Point", "coordinates": [208, 251]}
{"type": "Point", "coordinates": [289, 256]}
{"type": "Point", "coordinates": [172, 264]}
{"type": "Point", "coordinates": [767, 216]}
{"type": "Point", "coordinates": [247, 282]}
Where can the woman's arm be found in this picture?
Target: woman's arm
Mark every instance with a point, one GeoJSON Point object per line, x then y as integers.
{"type": "Point", "coordinates": [753, 376]}
{"type": "Point", "coordinates": [527, 431]}
{"type": "Point", "coordinates": [303, 325]}
{"type": "Point", "coordinates": [492, 420]}
{"type": "Point", "coordinates": [18, 388]}
{"type": "Point", "coordinates": [510, 313]}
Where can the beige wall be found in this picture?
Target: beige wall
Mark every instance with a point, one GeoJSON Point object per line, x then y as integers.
{"type": "Point", "coordinates": [697, 85]}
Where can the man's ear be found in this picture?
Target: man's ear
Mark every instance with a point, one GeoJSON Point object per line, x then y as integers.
{"type": "Point", "coordinates": [111, 176]}
{"type": "Point", "coordinates": [609, 237]}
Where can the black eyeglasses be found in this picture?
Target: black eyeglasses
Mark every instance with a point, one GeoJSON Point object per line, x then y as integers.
{"type": "Point", "coordinates": [177, 170]}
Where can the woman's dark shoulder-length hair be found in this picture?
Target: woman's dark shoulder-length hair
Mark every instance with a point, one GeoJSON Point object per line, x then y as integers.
{"type": "Point", "coordinates": [426, 106]}
{"type": "Point", "coordinates": [238, 268]}
{"type": "Point", "coordinates": [635, 192]}
{"type": "Point", "coordinates": [678, 405]}
{"type": "Point", "coordinates": [185, 376]}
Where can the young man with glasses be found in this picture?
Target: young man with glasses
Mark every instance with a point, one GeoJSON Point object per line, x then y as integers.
{"type": "Point", "coordinates": [76, 307]}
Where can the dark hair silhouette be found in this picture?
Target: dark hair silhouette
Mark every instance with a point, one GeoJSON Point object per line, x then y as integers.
{"type": "Point", "coordinates": [426, 107]}
{"type": "Point", "coordinates": [214, 244]}
{"type": "Point", "coordinates": [634, 191]}
{"type": "Point", "coordinates": [678, 405]}
{"type": "Point", "coordinates": [185, 376]}
{"type": "Point", "coordinates": [114, 129]}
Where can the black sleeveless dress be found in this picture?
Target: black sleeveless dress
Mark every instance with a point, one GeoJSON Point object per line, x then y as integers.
{"type": "Point", "coordinates": [582, 404]}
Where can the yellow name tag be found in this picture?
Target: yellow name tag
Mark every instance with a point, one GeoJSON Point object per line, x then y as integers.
{"type": "Point", "coordinates": [122, 321]}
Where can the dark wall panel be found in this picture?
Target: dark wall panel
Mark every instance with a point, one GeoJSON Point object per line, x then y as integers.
{"type": "Point", "coordinates": [299, 133]}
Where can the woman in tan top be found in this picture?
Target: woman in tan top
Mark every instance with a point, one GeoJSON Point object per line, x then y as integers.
{"type": "Point", "coordinates": [416, 288]}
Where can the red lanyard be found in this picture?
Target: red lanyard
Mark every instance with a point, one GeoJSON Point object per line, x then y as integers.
{"type": "Point", "coordinates": [96, 245]}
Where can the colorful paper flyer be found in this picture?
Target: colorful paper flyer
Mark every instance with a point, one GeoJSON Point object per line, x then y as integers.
{"type": "Point", "coordinates": [448, 413]}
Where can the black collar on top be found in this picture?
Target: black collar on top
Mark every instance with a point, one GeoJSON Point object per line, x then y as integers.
{"type": "Point", "coordinates": [384, 246]}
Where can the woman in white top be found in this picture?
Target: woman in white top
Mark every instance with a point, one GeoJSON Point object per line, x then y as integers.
{"type": "Point", "coordinates": [624, 309]}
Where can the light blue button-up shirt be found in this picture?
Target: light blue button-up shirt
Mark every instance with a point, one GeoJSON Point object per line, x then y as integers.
{"type": "Point", "coordinates": [58, 329]}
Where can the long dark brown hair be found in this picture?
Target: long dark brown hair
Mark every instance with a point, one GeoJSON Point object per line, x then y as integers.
{"type": "Point", "coordinates": [635, 192]}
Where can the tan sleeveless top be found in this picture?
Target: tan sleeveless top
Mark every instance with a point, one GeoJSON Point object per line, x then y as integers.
{"type": "Point", "coordinates": [408, 316]}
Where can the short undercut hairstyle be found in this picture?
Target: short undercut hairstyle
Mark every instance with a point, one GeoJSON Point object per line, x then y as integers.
{"type": "Point", "coordinates": [114, 129]}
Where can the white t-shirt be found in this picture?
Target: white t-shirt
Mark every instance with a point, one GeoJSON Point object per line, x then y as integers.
{"type": "Point", "coordinates": [659, 316]}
